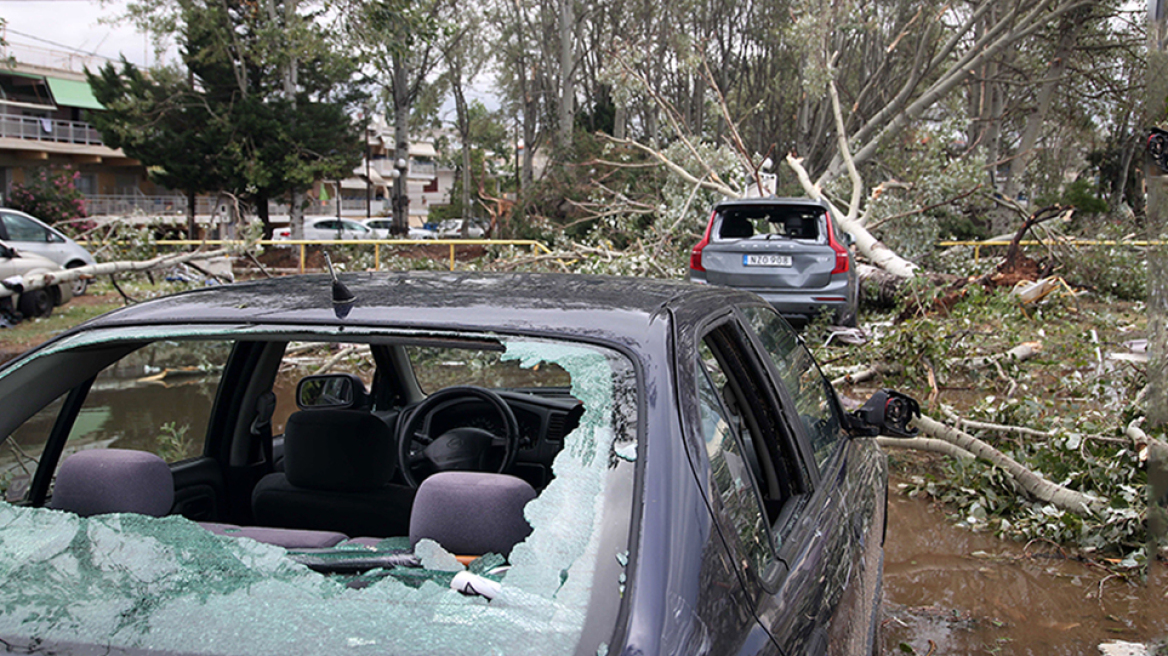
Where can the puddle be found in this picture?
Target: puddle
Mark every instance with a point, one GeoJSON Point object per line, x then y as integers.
{"type": "Point", "coordinates": [941, 598]}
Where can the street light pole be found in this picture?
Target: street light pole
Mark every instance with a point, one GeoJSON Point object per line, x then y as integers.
{"type": "Point", "coordinates": [368, 180]}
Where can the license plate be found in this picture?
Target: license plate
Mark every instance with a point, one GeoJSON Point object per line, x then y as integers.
{"type": "Point", "coordinates": [766, 260]}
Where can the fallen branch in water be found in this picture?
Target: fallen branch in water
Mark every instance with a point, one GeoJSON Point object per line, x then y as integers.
{"type": "Point", "coordinates": [925, 444]}
{"type": "Point", "coordinates": [1035, 485]}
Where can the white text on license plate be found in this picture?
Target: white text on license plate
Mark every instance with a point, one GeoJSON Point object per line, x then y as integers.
{"type": "Point", "coordinates": [766, 259]}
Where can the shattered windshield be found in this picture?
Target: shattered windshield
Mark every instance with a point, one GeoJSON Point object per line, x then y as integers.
{"type": "Point", "coordinates": [131, 581]}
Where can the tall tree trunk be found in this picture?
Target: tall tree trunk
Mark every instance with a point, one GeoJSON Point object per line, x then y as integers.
{"type": "Point", "coordinates": [463, 119]}
{"type": "Point", "coordinates": [401, 138]}
{"type": "Point", "coordinates": [1157, 221]}
{"type": "Point", "coordinates": [567, 74]}
{"type": "Point", "coordinates": [1046, 93]}
{"type": "Point", "coordinates": [191, 227]}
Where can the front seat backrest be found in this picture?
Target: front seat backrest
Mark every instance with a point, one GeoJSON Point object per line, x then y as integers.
{"type": "Point", "coordinates": [338, 465]}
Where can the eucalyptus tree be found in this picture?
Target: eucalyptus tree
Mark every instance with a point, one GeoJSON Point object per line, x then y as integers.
{"type": "Point", "coordinates": [398, 39]}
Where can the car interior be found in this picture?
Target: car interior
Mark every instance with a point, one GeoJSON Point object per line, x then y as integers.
{"type": "Point", "coordinates": [392, 442]}
{"type": "Point", "coordinates": [791, 222]}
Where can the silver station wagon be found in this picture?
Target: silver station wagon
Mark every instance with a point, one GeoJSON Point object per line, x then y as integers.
{"type": "Point", "coordinates": [787, 250]}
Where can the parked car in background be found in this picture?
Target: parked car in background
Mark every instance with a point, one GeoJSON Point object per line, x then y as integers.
{"type": "Point", "coordinates": [29, 234]}
{"type": "Point", "coordinates": [787, 250]}
{"type": "Point", "coordinates": [322, 229]}
{"type": "Point", "coordinates": [452, 228]}
{"type": "Point", "coordinates": [37, 302]}
{"type": "Point", "coordinates": [495, 463]}
{"type": "Point", "coordinates": [383, 227]}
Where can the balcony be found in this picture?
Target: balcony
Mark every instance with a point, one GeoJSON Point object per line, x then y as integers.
{"type": "Point", "coordinates": [176, 206]}
{"type": "Point", "coordinates": [32, 128]}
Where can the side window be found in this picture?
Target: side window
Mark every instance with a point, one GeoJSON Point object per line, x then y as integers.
{"type": "Point", "coordinates": [21, 229]}
{"type": "Point", "coordinates": [157, 399]}
{"type": "Point", "coordinates": [730, 466]}
{"type": "Point", "coordinates": [810, 390]}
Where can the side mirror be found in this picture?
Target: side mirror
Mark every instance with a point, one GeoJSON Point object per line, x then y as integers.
{"type": "Point", "coordinates": [335, 391]}
{"type": "Point", "coordinates": [886, 413]}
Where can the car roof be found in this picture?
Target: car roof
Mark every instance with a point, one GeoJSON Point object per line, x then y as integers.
{"type": "Point", "coordinates": [610, 308]}
{"type": "Point", "coordinates": [768, 201]}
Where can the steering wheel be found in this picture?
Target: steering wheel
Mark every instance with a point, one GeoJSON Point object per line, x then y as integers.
{"type": "Point", "coordinates": [465, 448]}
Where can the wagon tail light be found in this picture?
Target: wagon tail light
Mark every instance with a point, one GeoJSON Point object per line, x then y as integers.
{"type": "Point", "coordinates": [841, 252]}
{"type": "Point", "coordinates": [695, 256]}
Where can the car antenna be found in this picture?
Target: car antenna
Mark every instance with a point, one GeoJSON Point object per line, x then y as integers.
{"type": "Point", "coordinates": [341, 294]}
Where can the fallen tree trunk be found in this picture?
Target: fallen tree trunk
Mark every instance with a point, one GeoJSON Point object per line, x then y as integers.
{"type": "Point", "coordinates": [925, 444]}
{"type": "Point", "coordinates": [31, 281]}
{"type": "Point", "coordinates": [1032, 483]}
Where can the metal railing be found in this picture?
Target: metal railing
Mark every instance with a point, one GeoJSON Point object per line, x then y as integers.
{"type": "Point", "coordinates": [48, 129]}
{"type": "Point", "coordinates": [978, 245]}
{"type": "Point", "coordinates": [303, 245]}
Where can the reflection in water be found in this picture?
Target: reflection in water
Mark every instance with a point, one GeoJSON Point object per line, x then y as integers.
{"type": "Point", "coordinates": [973, 593]}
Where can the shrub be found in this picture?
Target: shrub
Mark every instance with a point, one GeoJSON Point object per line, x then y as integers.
{"type": "Point", "coordinates": [50, 194]}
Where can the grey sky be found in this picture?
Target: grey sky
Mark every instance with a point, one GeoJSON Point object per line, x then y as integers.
{"type": "Point", "coordinates": [62, 32]}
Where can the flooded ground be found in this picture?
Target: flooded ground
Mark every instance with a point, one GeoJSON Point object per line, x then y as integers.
{"type": "Point", "coordinates": [948, 590]}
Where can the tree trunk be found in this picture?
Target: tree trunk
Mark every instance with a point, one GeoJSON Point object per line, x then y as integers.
{"type": "Point", "coordinates": [1037, 117]}
{"type": "Point", "coordinates": [463, 120]}
{"type": "Point", "coordinates": [401, 138]}
{"type": "Point", "coordinates": [567, 74]}
{"type": "Point", "coordinates": [192, 229]}
{"type": "Point", "coordinates": [1032, 483]}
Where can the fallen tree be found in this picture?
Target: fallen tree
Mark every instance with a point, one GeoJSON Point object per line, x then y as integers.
{"type": "Point", "coordinates": [970, 446]}
{"type": "Point", "coordinates": [31, 281]}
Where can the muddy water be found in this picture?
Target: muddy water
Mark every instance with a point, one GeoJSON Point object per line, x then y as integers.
{"type": "Point", "coordinates": [952, 591]}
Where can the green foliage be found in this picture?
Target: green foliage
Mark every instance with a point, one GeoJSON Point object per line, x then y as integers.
{"type": "Point", "coordinates": [935, 196]}
{"type": "Point", "coordinates": [49, 193]}
{"type": "Point", "coordinates": [231, 121]}
{"type": "Point", "coordinates": [173, 442]}
{"type": "Point", "coordinates": [1080, 195]}
{"type": "Point", "coordinates": [1069, 391]}
{"type": "Point", "coordinates": [1112, 271]}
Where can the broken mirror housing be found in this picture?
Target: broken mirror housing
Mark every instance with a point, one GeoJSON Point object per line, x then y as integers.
{"type": "Point", "coordinates": [887, 412]}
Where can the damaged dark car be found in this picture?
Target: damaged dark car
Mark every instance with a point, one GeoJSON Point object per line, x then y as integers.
{"type": "Point", "coordinates": [426, 463]}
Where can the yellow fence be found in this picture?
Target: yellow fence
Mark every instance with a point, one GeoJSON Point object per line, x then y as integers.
{"type": "Point", "coordinates": [303, 245]}
{"type": "Point", "coordinates": [977, 245]}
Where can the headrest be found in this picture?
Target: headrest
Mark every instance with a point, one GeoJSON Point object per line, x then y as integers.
{"type": "Point", "coordinates": [338, 450]}
{"type": "Point", "coordinates": [471, 513]}
{"type": "Point", "coordinates": [100, 481]}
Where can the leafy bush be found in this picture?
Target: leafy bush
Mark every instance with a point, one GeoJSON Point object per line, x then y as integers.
{"type": "Point", "coordinates": [50, 194]}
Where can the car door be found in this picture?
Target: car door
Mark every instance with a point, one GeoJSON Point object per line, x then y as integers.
{"type": "Point", "coordinates": [799, 508]}
{"type": "Point", "coordinates": [828, 601]}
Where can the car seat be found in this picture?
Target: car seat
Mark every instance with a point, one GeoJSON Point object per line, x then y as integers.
{"type": "Point", "coordinates": [471, 513]}
{"type": "Point", "coordinates": [736, 226]}
{"type": "Point", "coordinates": [102, 481]}
{"type": "Point", "coordinates": [338, 467]}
